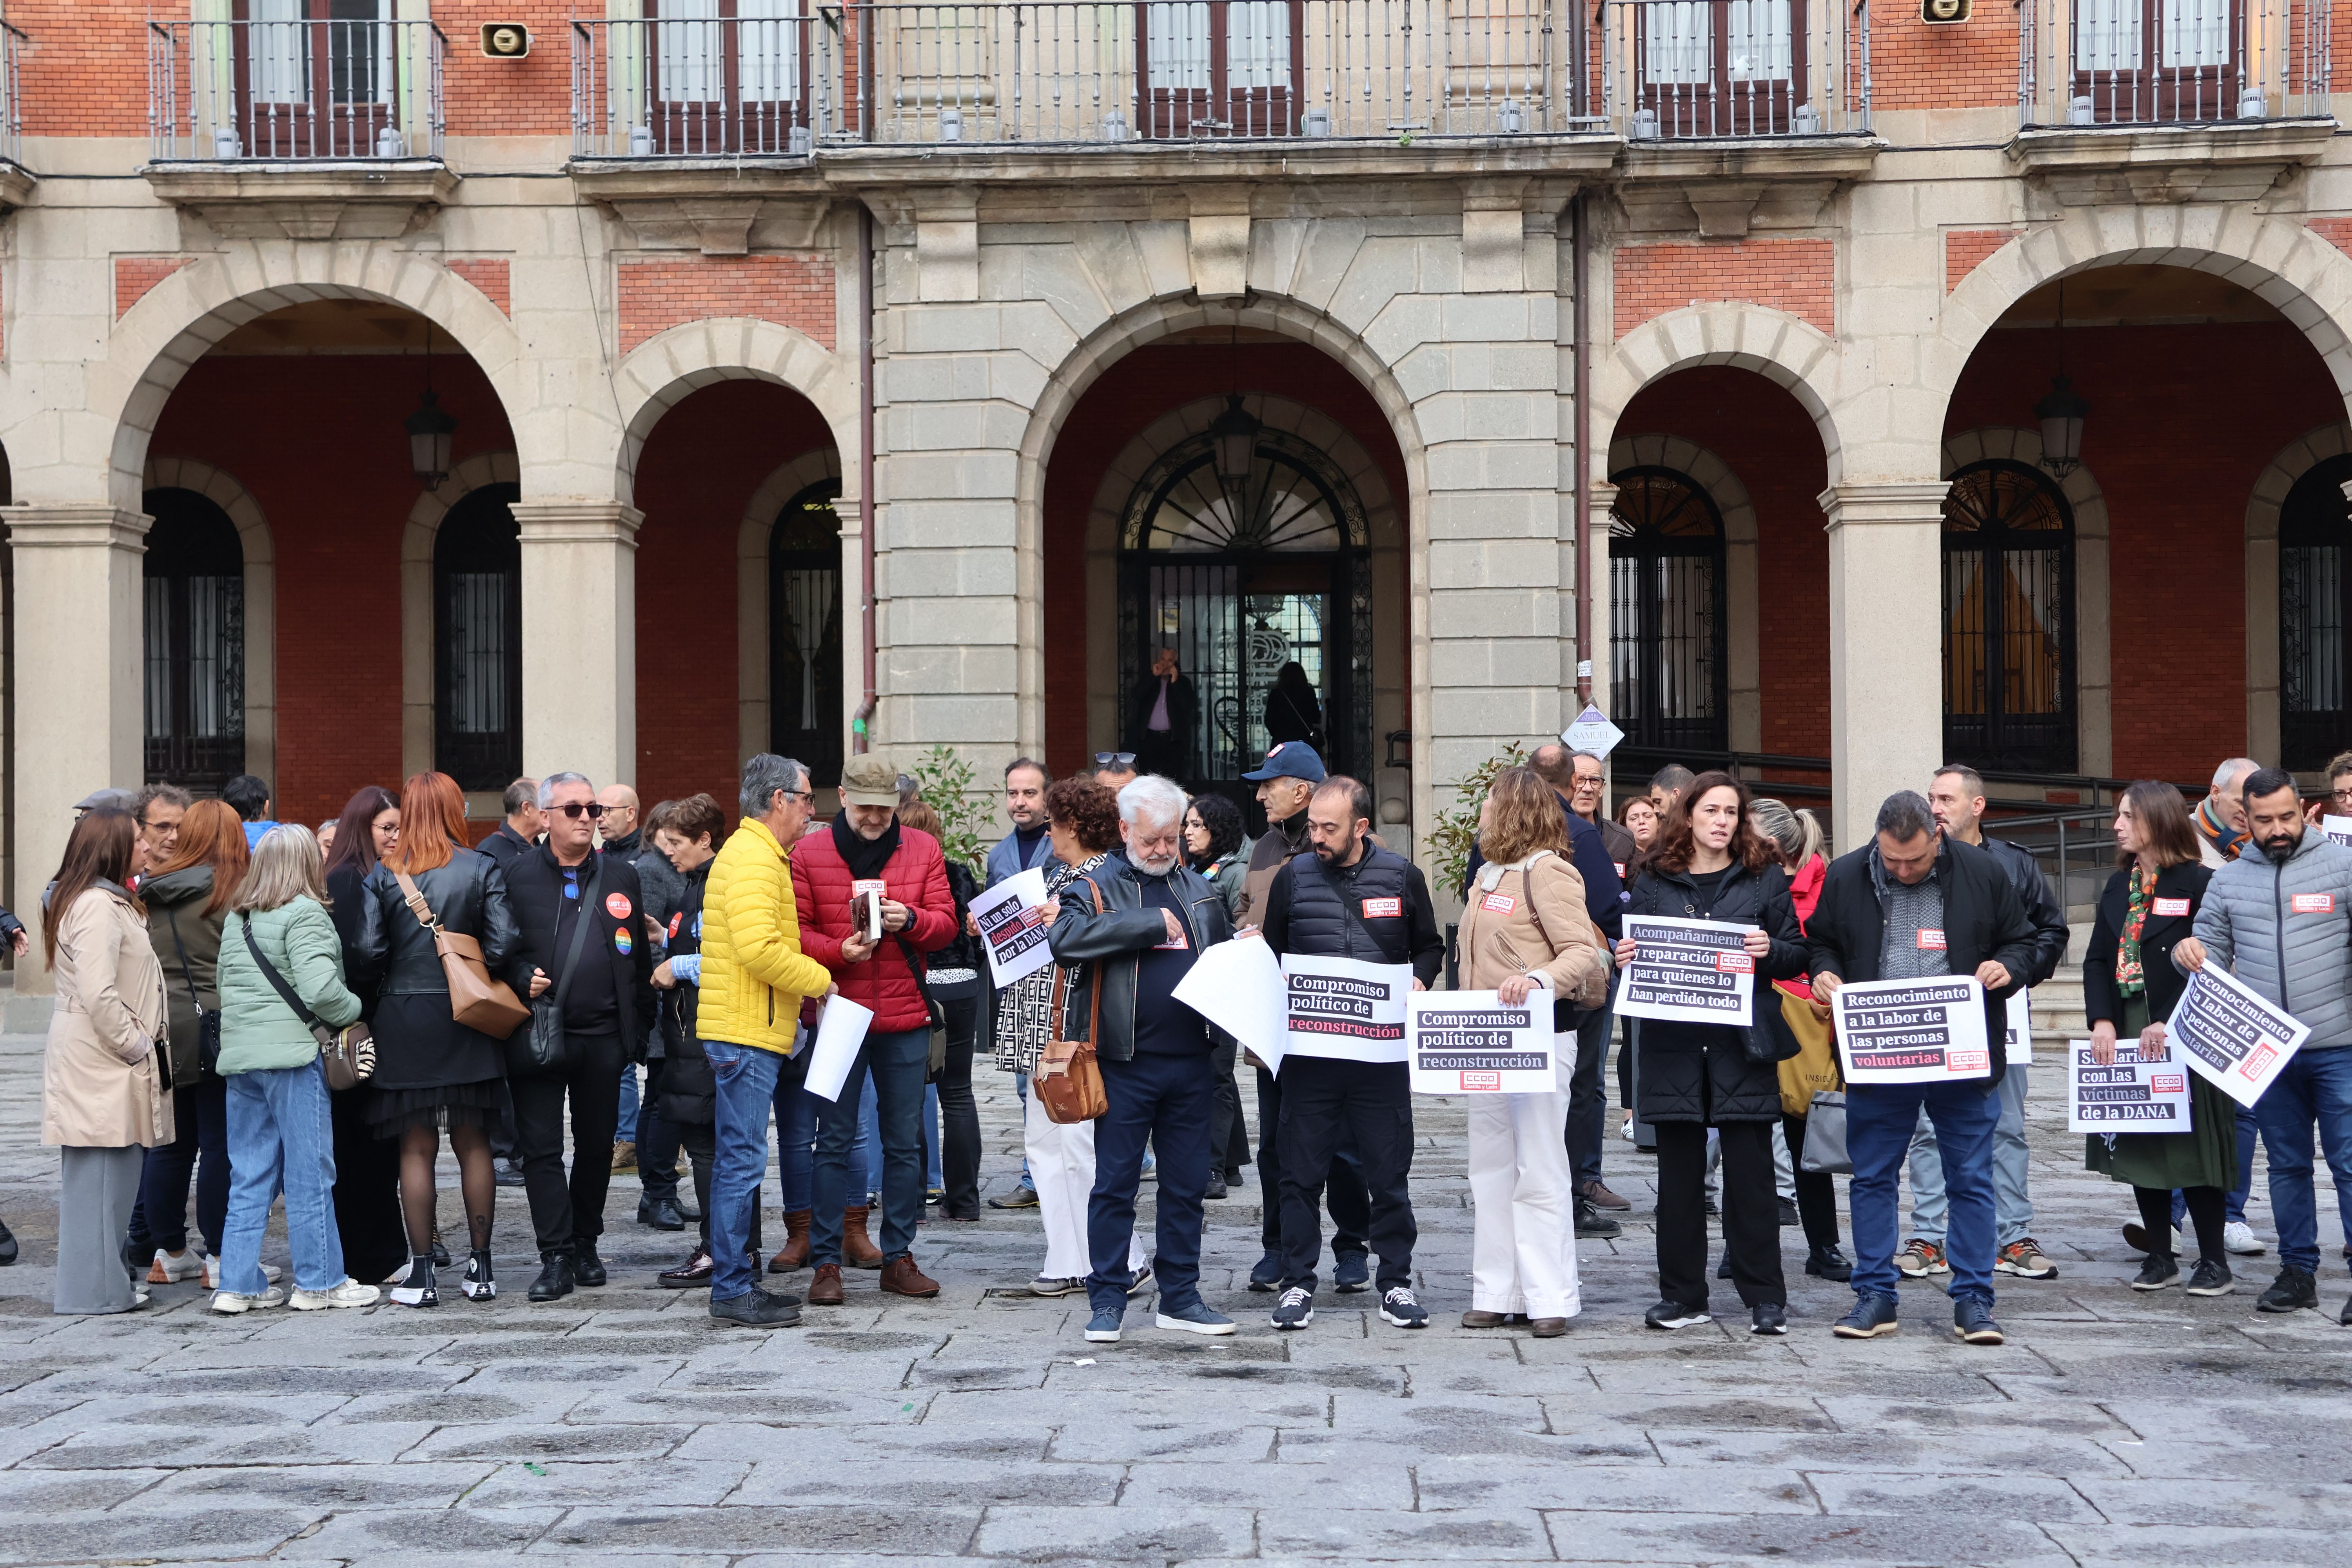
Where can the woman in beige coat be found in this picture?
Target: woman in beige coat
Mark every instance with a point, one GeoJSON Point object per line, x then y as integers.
{"type": "Point", "coordinates": [103, 1099]}
{"type": "Point", "coordinates": [1526, 933]}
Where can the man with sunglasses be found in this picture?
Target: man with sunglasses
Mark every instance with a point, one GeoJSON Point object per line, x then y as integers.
{"type": "Point", "coordinates": [1114, 770]}
{"type": "Point", "coordinates": [579, 915]}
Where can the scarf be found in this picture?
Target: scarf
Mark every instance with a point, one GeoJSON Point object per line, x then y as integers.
{"type": "Point", "coordinates": [2131, 979]}
{"type": "Point", "coordinates": [2231, 845]}
{"type": "Point", "coordinates": [865, 858]}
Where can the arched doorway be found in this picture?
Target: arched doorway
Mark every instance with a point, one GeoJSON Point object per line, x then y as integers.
{"type": "Point", "coordinates": [805, 632]}
{"type": "Point", "coordinates": [1246, 573]}
{"type": "Point", "coordinates": [1668, 618]}
{"type": "Point", "coordinates": [192, 615]}
{"type": "Point", "coordinates": [2314, 600]}
{"type": "Point", "coordinates": [2009, 620]}
{"type": "Point", "coordinates": [478, 640]}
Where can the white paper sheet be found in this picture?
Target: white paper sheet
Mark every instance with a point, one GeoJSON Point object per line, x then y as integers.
{"type": "Point", "coordinates": [839, 1033]}
{"type": "Point", "coordinates": [1688, 972]}
{"type": "Point", "coordinates": [1237, 987]}
{"type": "Point", "coordinates": [2019, 1046]}
{"type": "Point", "coordinates": [1344, 1008]}
{"type": "Point", "coordinates": [1913, 1031]}
{"type": "Point", "coordinates": [1473, 1042]}
{"type": "Point", "coordinates": [1011, 921]}
{"type": "Point", "coordinates": [2339, 828]}
{"type": "Point", "coordinates": [2231, 1035]}
{"type": "Point", "coordinates": [2144, 1091]}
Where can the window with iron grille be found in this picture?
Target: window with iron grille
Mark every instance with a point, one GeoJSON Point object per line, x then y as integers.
{"type": "Point", "coordinates": [195, 641]}
{"type": "Point", "coordinates": [2009, 620]}
{"type": "Point", "coordinates": [2314, 719]}
{"type": "Point", "coordinates": [1667, 612]}
{"type": "Point", "coordinates": [805, 633]}
{"type": "Point", "coordinates": [478, 640]}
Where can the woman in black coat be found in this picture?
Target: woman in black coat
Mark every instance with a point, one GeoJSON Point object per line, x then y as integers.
{"type": "Point", "coordinates": [367, 1168]}
{"type": "Point", "coordinates": [2129, 989]}
{"type": "Point", "coordinates": [1710, 864]}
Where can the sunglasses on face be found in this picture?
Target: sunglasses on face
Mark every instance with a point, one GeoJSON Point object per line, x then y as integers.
{"type": "Point", "coordinates": [577, 809]}
{"type": "Point", "coordinates": [1114, 758]}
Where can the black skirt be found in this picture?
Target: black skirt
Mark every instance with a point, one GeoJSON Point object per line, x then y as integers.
{"type": "Point", "coordinates": [432, 1071]}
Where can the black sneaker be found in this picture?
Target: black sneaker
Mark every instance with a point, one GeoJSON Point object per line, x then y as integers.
{"type": "Point", "coordinates": [1351, 1272]}
{"type": "Point", "coordinates": [587, 1268]}
{"type": "Point", "coordinates": [1399, 1308]}
{"type": "Point", "coordinates": [758, 1309]}
{"type": "Point", "coordinates": [660, 1212]}
{"type": "Point", "coordinates": [1674, 1315]}
{"type": "Point", "coordinates": [554, 1280]}
{"type": "Point", "coordinates": [1296, 1310]}
{"type": "Point", "coordinates": [417, 1287]}
{"type": "Point", "coordinates": [480, 1284]}
{"type": "Point", "coordinates": [1829, 1263]}
{"type": "Point", "coordinates": [1215, 1190]}
{"type": "Point", "coordinates": [1267, 1278]}
{"type": "Point", "coordinates": [2295, 1288]}
{"type": "Point", "coordinates": [2212, 1278]}
{"type": "Point", "coordinates": [1872, 1315]}
{"type": "Point", "coordinates": [1789, 1215]}
{"type": "Point", "coordinates": [2161, 1268]}
{"type": "Point", "coordinates": [1972, 1321]}
{"type": "Point", "coordinates": [1591, 1222]}
{"type": "Point", "coordinates": [1768, 1318]}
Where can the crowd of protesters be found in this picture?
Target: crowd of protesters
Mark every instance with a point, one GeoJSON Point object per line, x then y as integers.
{"type": "Point", "coordinates": [248, 1011]}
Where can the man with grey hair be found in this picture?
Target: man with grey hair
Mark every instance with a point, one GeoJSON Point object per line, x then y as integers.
{"type": "Point", "coordinates": [522, 826]}
{"type": "Point", "coordinates": [2221, 817]}
{"type": "Point", "coordinates": [1157, 916]}
{"type": "Point", "coordinates": [1912, 905]}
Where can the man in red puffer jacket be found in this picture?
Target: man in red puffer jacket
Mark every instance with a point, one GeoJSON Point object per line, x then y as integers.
{"type": "Point", "coordinates": [866, 855]}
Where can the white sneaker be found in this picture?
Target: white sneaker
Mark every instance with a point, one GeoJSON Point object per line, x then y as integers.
{"type": "Point", "coordinates": [170, 1270]}
{"type": "Point", "coordinates": [350, 1293]}
{"type": "Point", "coordinates": [230, 1302]}
{"type": "Point", "coordinates": [269, 1273]}
{"type": "Point", "coordinates": [2238, 1237]}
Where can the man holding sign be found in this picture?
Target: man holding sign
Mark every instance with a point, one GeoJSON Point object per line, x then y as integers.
{"type": "Point", "coordinates": [2279, 919]}
{"type": "Point", "coordinates": [1912, 905]}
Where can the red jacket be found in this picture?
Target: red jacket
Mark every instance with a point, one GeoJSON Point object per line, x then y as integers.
{"type": "Point", "coordinates": [917, 877]}
{"type": "Point", "coordinates": [1804, 893]}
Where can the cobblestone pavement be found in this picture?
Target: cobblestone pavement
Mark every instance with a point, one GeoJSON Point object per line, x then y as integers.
{"type": "Point", "coordinates": [623, 1423]}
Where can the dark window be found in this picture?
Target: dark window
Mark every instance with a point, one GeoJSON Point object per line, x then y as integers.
{"type": "Point", "coordinates": [2314, 719]}
{"type": "Point", "coordinates": [2009, 620]}
{"type": "Point", "coordinates": [478, 640]}
{"type": "Point", "coordinates": [1667, 612]}
{"type": "Point", "coordinates": [805, 632]}
{"type": "Point", "coordinates": [194, 615]}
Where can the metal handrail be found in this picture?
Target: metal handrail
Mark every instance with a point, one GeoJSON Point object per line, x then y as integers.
{"type": "Point", "coordinates": [2189, 63]}
{"type": "Point", "coordinates": [1695, 69]}
{"type": "Point", "coordinates": [306, 90]}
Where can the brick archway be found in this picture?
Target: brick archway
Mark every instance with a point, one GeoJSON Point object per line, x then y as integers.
{"type": "Point", "coordinates": [668, 368]}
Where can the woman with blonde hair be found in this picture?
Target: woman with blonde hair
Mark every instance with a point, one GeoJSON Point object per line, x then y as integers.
{"type": "Point", "coordinates": [103, 1103]}
{"type": "Point", "coordinates": [282, 972]}
{"type": "Point", "coordinates": [433, 1073]}
{"type": "Point", "coordinates": [1526, 934]}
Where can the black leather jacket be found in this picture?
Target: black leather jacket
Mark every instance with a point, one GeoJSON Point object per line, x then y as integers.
{"type": "Point", "coordinates": [394, 953]}
{"type": "Point", "coordinates": [1108, 943]}
{"type": "Point", "coordinates": [2049, 921]}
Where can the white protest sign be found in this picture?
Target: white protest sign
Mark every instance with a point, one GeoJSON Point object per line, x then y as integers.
{"type": "Point", "coordinates": [1913, 1031]}
{"type": "Point", "coordinates": [1345, 1009]}
{"type": "Point", "coordinates": [1690, 972]}
{"type": "Point", "coordinates": [839, 1032]}
{"type": "Point", "coordinates": [2146, 1090]}
{"type": "Point", "coordinates": [1592, 731]}
{"type": "Point", "coordinates": [2339, 828]}
{"type": "Point", "coordinates": [2235, 1037]}
{"type": "Point", "coordinates": [1011, 921]}
{"type": "Point", "coordinates": [2019, 1049]}
{"type": "Point", "coordinates": [1473, 1042]}
{"type": "Point", "coordinates": [1237, 987]}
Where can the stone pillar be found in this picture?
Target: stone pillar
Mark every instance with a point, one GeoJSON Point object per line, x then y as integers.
{"type": "Point", "coordinates": [579, 638]}
{"type": "Point", "coordinates": [1886, 645]}
{"type": "Point", "coordinates": [79, 698]}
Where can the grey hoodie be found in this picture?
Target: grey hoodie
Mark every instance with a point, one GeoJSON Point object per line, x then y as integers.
{"type": "Point", "coordinates": [2285, 932]}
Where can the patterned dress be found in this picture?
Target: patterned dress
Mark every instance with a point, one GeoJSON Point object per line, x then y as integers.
{"type": "Point", "coordinates": [1025, 1009]}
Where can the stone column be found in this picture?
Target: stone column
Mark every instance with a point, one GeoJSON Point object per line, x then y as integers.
{"type": "Point", "coordinates": [1886, 645]}
{"type": "Point", "coordinates": [579, 638]}
{"type": "Point", "coordinates": [78, 646]}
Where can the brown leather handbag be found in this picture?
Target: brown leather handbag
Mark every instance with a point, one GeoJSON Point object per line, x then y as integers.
{"type": "Point", "coordinates": [476, 1000]}
{"type": "Point", "coordinates": [1068, 1080]}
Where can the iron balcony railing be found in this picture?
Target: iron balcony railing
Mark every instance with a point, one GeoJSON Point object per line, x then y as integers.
{"type": "Point", "coordinates": [12, 113]}
{"type": "Point", "coordinates": [283, 90]}
{"type": "Point", "coordinates": [2171, 62]}
{"type": "Point", "coordinates": [1063, 71]}
{"type": "Point", "coordinates": [1681, 70]}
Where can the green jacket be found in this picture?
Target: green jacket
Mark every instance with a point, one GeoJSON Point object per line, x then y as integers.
{"type": "Point", "coordinates": [178, 899]}
{"type": "Point", "coordinates": [257, 1029]}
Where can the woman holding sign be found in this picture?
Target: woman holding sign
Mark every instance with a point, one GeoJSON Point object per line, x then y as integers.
{"type": "Point", "coordinates": [1524, 930]}
{"type": "Point", "coordinates": [2129, 988]}
{"type": "Point", "coordinates": [1710, 864]}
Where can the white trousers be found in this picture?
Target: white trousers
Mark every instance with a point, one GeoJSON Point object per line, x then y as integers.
{"type": "Point", "coordinates": [1062, 1168]}
{"type": "Point", "coordinates": [1522, 1193]}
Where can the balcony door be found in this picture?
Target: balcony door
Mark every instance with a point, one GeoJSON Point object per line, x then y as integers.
{"type": "Point", "coordinates": [1721, 68]}
{"type": "Point", "coordinates": [315, 78]}
{"type": "Point", "coordinates": [726, 76]}
{"type": "Point", "coordinates": [2008, 621]}
{"type": "Point", "coordinates": [2158, 61]}
{"type": "Point", "coordinates": [1220, 68]}
{"type": "Point", "coordinates": [193, 590]}
{"type": "Point", "coordinates": [1666, 612]}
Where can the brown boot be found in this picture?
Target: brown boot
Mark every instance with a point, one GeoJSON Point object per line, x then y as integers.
{"type": "Point", "coordinates": [858, 1249]}
{"type": "Point", "coordinates": [796, 1244]}
{"type": "Point", "coordinates": [825, 1290]}
{"type": "Point", "coordinates": [901, 1278]}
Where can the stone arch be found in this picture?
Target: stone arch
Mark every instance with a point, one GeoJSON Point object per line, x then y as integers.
{"type": "Point", "coordinates": [260, 551]}
{"type": "Point", "coordinates": [2094, 732]}
{"type": "Point", "coordinates": [1786, 350]}
{"type": "Point", "coordinates": [158, 339]}
{"type": "Point", "coordinates": [1155, 318]}
{"type": "Point", "coordinates": [1742, 590]}
{"type": "Point", "coordinates": [751, 628]}
{"type": "Point", "coordinates": [2297, 458]}
{"type": "Point", "coordinates": [416, 542]}
{"type": "Point", "coordinates": [668, 367]}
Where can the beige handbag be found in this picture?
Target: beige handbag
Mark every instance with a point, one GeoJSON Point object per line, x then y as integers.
{"type": "Point", "coordinates": [1068, 1081]}
{"type": "Point", "coordinates": [477, 1001]}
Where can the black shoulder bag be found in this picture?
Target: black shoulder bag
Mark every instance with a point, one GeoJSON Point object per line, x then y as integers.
{"type": "Point", "coordinates": [348, 1053]}
{"type": "Point", "coordinates": [208, 1020]}
{"type": "Point", "coordinates": [542, 1048]}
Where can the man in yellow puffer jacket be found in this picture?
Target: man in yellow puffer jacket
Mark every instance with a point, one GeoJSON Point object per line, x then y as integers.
{"type": "Point", "coordinates": [753, 978]}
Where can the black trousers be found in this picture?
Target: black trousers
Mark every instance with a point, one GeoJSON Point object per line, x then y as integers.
{"type": "Point", "coordinates": [1324, 1100]}
{"type": "Point", "coordinates": [1228, 1131]}
{"type": "Point", "coordinates": [1588, 1112]}
{"type": "Point", "coordinates": [562, 1211]}
{"type": "Point", "coordinates": [1752, 1212]}
{"type": "Point", "coordinates": [657, 1140]}
{"type": "Point", "coordinates": [958, 1111]}
{"type": "Point", "coordinates": [1816, 1190]}
{"type": "Point", "coordinates": [367, 1191]}
{"type": "Point", "coordinates": [1342, 1189]}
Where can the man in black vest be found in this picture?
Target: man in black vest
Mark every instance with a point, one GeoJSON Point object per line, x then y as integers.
{"type": "Point", "coordinates": [1350, 899]}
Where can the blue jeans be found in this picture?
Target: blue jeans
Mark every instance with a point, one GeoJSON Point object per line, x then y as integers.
{"type": "Point", "coordinates": [746, 1079]}
{"type": "Point", "coordinates": [796, 1116]}
{"type": "Point", "coordinates": [200, 1116]}
{"type": "Point", "coordinates": [1166, 1099]}
{"type": "Point", "coordinates": [281, 1133]}
{"type": "Point", "coordinates": [627, 1127]}
{"type": "Point", "coordinates": [2013, 1203]}
{"type": "Point", "coordinates": [934, 1178]}
{"type": "Point", "coordinates": [897, 1063]}
{"type": "Point", "coordinates": [2314, 1089]}
{"type": "Point", "coordinates": [1880, 1118]}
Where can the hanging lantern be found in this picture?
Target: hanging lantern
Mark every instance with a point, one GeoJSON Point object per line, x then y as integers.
{"type": "Point", "coordinates": [429, 431]}
{"type": "Point", "coordinates": [1233, 436]}
{"type": "Point", "coordinates": [2062, 415]}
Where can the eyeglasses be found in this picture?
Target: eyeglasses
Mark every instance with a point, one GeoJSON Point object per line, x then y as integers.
{"type": "Point", "coordinates": [578, 808]}
{"type": "Point", "coordinates": [1121, 760]}
{"type": "Point", "coordinates": [2342, 795]}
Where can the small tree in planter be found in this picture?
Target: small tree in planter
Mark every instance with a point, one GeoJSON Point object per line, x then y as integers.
{"type": "Point", "coordinates": [948, 785]}
{"type": "Point", "coordinates": [1451, 841]}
